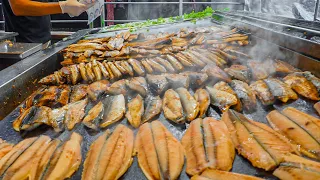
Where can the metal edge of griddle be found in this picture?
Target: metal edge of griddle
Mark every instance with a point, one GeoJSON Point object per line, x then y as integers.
{"type": "Point", "coordinates": [20, 79]}
{"type": "Point", "coordinates": [294, 43]}
{"type": "Point", "coordinates": [8, 35]}
{"type": "Point", "coordinates": [314, 25]}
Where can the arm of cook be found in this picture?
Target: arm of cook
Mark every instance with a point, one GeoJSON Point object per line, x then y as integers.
{"type": "Point", "coordinates": [34, 8]}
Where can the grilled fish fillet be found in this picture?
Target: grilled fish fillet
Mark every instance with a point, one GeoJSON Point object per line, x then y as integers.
{"type": "Point", "coordinates": [257, 142]}
{"type": "Point", "coordinates": [94, 116]}
{"type": "Point", "coordinates": [175, 63]}
{"type": "Point", "coordinates": [78, 93]}
{"type": "Point", "coordinates": [216, 73]}
{"type": "Point", "coordinates": [147, 66]}
{"type": "Point", "coordinates": [223, 100]}
{"type": "Point", "coordinates": [312, 78]}
{"type": "Point", "coordinates": [114, 109]}
{"type": "Point", "coordinates": [69, 159]}
{"type": "Point", "coordinates": [317, 107]}
{"type": "Point", "coordinates": [157, 83]}
{"type": "Point", "coordinates": [16, 151]}
{"type": "Point", "coordinates": [196, 79]}
{"type": "Point", "coordinates": [239, 72]}
{"type": "Point", "coordinates": [5, 147]}
{"type": "Point", "coordinates": [166, 64]}
{"type": "Point", "coordinates": [189, 104]}
{"type": "Point", "coordinates": [258, 69]}
{"type": "Point", "coordinates": [260, 88]}
{"type": "Point", "coordinates": [302, 86]}
{"type": "Point", "coordinates": [153, 108]}
{"type": "Point", "coordinates": [135, 111]}
{"type": "Point", "coordinates": [138, 84]}
{"type": "Point", "coordinates": [110, 155]}
{"type": "Point", "coordinates": [178, 80]}
{"type": "Point", "coordinates": [75, 113]}
{"type": "Point", "coordinates": [28, 160]}
{"type": "Point", "coordinates": [283, 67]}
{"type": "Point", "coordinates": [211, 174]}
{"type": "Point", "coordinates": [160, 154]}
{"type": "Point", "coordinates": [207, 144]}
{"type": "Point", "coordinates": [203, 98]}
{"type": "Point", "coordinates": [137, 67]}
{"type": "Point", "coordinates": [245, 94]}
{"type": "Point", "coordinates": [118, 87]}
{"type": "Point", "coordinates": [223, 86]}
{"type": "Point", "coordinates": [96, 89]}
{"type": "Point", "coordinates": [280, 90]}
{"type": "Point", "coordinates": [172, 107]}
{"type": "Point", "coordinates": [295, 167]}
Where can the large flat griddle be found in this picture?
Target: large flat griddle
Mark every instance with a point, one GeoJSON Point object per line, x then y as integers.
{"type": "Point", "coordinates": [241, 165]}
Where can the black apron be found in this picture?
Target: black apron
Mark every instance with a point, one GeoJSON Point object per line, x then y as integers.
{"type": "Point", "coordinates": [31, 29]}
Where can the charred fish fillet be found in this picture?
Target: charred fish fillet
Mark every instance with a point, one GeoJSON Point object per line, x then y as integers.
{"type": "Point", "coordinates": [78, 92]}
{"type": "Point", "coordinates": [207, 145]}
{"type": "Point", "coordinates": [110, 156]}
{"type": "Point", "coordinates": [138, 84]}
{"type": "Point", "coordinates": [172, 107]}
{"type": "Point", "coordinates": [280, 90]}
{"type": "Point", "coordinates": [196, 79]}
{"type": "Point", "coordinates": [223, 86]}
{"type": "Point", "coordinates": [261, 89]}
{"type": "Point", "coordinates": [302, 86]}
{"type": "Point", "coordinates": [216, 73]}
{"type": "Point", "coordinates": [160, 154]}
{"type": "Point", "coordinates": [157, 83]}
{"type": "Point", "coordinates": [216, 174]}
{"type": "Point", "coordinates": [95, 115]}
{"type": "Point", "coordinates": [257, 142]}
{"type": "Point", "coordinates": [96, 89]}
{"type": "Point", "coordinates": [245, 94]}
{"type": "Point", "coordinates": [239, 72]}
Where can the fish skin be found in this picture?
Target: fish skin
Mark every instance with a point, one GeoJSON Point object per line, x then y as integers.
{"type": "Point", "coordinates": [257, 142]}
{"type": "Point", "coordinates": [108, 68]}
{"type": "Point", "coordinates": [245, 94]}
{"type": "Point", "coordinates": [62, 97]}
{"type": "Point", "coordinates": [97, 88]}
{"type": "Point", "coordinates": [166, 64]}
{"type": "Point", "coordinates": [175, 63]}
{"type": "Point", "coordinates": [78, 93]}
{"type": "Point", "coordinates": [239, 72]}
{"type": "Point", "coordinates": [115, 155]}
{"type": "Point", "coordinates": [90, 74]}
{"type": "Point", "coordinates": [216, 73]}
{"type": "Point", "coordinates": [103, 70]}
{"type": "Point", "coordinates": [317, 107]}
{"type": "Point", "coordinates": [137, 67]}
{"type": "Point", "coordinates": [193, 59]}
{"type": "Point", "coordinates": [25, 114]}
{"type": "Point", "coordinates": [58, 116]}
{"type": "Point", "coordinates": [189, 104]}
{"type": "Point", "coordinates": [83, 71]}
{"type": "Point", "coordinates": [172, 107]}
{"type": "Point", "coordinates": [280, 90]}
{"type": "Point", "coordinates": [160, 154]}
{"type": "Point", "coordinates": [69, 159]}
{"type": "Point", "coordinates": [94, 116]}
{"type": "Point", "coordinates": [117, 74]}
{"type": "Point", "coordinates": [135, 111]}
{"type": "Point", "coordinates": [157, 83]}
{"type": "Point", "coordinates": [178, 80]}
{"type": "Point", "coordinates": [25, 163]}
{"type": "Point", "coordinates": [197, 79]}
{"type": "Point", "coordinates": [75, 74]}
{"type": "Point", "coordinates": [118, 87]}
{"type": "Point", "coordinates": [7, 160]}
{"type": "Point", "coordinates": [75, 113]}
{"type": "Point", "coordinates": [296, 167]}
{"type": "Point", "coordinates": [203, 98]}
{"type": "Point", "coordinates": [297, 131]}
{"type": "Point", "coordinates": [90, 165]}
{"type": "Point", "coordinates": [283, 67]}
{"type": "Point", "coordinates": [115, 108]}
{"type": "Point", "coordinates": [153, 108]}
{"type": "Point", "coordinates": [221, 99]}
{"type": "Point", "coordinates": [216, 174]}
{"type": "Point", "coordinates": [302, 86]}
{"type": "Point", "coordinates": [261, 89]}
{"type": "Point", "coordinates": [38, 116]}
{"type": "Point", "coordinates": [201, 57]}
{"type": "Point", "coordinates": [138, 84]}
{"type": "Point", "coordinates": [147, 66]}
{"type": "Point", "coordinates": [223, 86]}
{"type": "Point", "coordinates": [120, 68]}
{"type": "Point", "coordinates": [183, 60]}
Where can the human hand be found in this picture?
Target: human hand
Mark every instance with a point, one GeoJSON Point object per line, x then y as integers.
{"type": "Point", "coordinates": [75, 8]}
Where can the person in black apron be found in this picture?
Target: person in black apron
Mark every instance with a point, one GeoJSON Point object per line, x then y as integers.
{"type": "Point", "coordinates": [31, 19]}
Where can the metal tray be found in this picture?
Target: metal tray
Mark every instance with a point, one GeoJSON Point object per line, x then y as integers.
{"type": "Point", "coordinates": [18, 50]}
{"type": "Point", "coordinates": [241, 165]}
